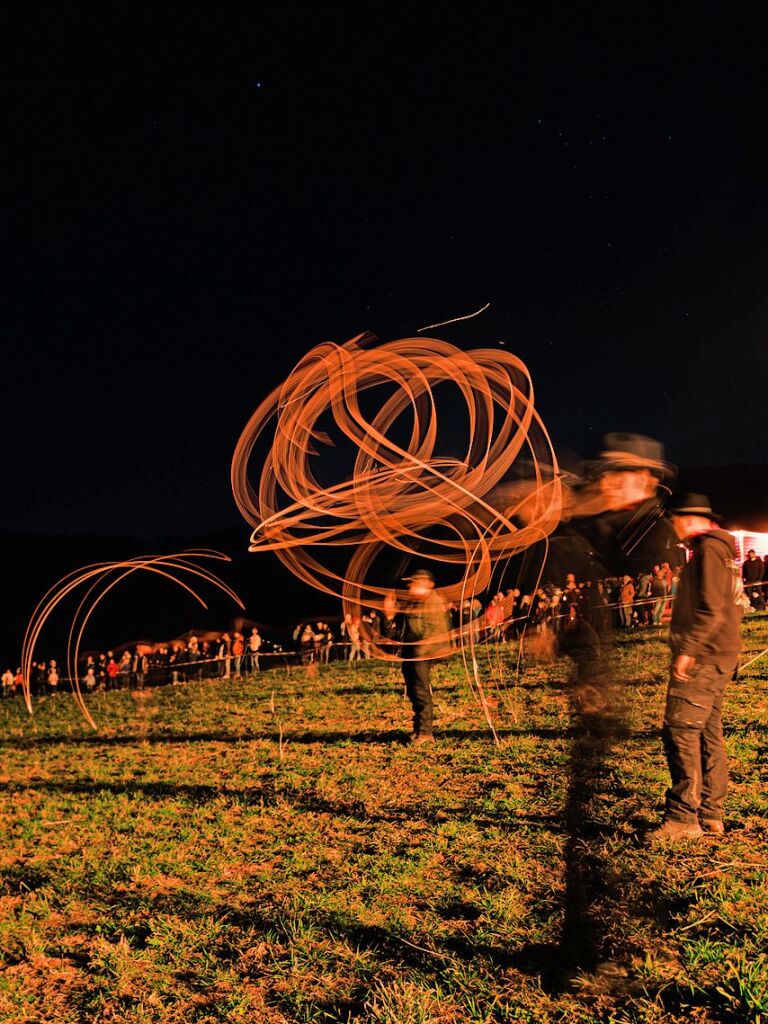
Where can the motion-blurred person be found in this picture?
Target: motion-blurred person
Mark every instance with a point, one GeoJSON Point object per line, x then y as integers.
{"type": "Point", "coordinates": [626, 601]}
{"type": "Point", "coordinates": [425, 630]}
{"type": "Point", "coordinates": [352, 628]}
{"type": "Point", "coordinates": [613, 523]}
{"type": "Point", "coordinates": [705, 639]}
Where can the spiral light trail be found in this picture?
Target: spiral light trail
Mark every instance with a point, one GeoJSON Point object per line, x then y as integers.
{"type": "Point", "coordinates": [430, 431]}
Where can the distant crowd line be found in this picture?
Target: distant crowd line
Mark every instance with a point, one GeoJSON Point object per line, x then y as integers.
{"type": "Point", "coordinates": [615, 602]}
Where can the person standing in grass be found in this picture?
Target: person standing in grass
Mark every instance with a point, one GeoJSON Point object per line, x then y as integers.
{"type": "Point", "coordinates": [238, 648]}
{"type": "Point", "coordinates": [254, 644]}
{"type": "Point", "coordinates": [659, 595]}
{"type": "Point", "coordinates": [124, 671]}
{"type": "Point", "coordinates": [8, 683]}
{"type": "Point", "coordinates": [425, 635]}
{"type": "Point", "coordinates": [705, 638]}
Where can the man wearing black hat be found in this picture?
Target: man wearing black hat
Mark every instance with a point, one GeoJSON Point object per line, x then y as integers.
{"type": "Point", "coordinates": [705, 638]}
{"type": "Point", "coordinates": [425, 636]}
{"type": "Point", "coordinates": [613, 522]}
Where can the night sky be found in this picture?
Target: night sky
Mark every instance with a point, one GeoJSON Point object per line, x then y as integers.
{"type": "Point", "coordinates": [193, 205]}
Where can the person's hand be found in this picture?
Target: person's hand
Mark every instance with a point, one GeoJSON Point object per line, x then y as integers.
{"type": "Point", "coordinates": [681, 666]}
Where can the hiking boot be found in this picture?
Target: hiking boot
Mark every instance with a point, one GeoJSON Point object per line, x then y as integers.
{"type": "Point", "coordinates": [713, 826]}
{"type": "Point", "coordinates": [673, 832]}
{"type": "Point", "coordinates": [419, 738]}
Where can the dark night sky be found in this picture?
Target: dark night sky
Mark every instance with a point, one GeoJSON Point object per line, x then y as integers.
{"type": "Point", "coordinates": [190, 208]}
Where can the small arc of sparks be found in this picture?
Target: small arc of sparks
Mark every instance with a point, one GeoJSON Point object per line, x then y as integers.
{"type": "Point", "coordinates": [455, 320]}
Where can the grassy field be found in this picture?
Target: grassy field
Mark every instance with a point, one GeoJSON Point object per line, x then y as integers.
{"type": "Point", "coordinates": [272, 851]}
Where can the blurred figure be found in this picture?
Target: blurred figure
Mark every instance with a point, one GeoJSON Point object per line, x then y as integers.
{"type": "Point", "coordinates": [8, 683]}
{"type": "Point", "coordinates": [494, 618]}
{"type": "Point", "coordinates": [101, 672]}
{"type": "Point", "coordinates": [613, 522]}
{"type": "Point", "coordinates": [194, 657]}
{"type": "Point", "coordinates": [626, 601]}
{"type": "Point", "coordinates": [238, 647]}
{"type": "Point", "coordinates": [307, 645]}
{"type": "Point", "coordinates": [112, 670]}
{"type": "Point", "coordinates": [658, 596]}
{"type": "Point", "coordinates": [224, 656]}
{"type": "Point", "coordinates": [53, 678]}
{"type": "Point", "coordinates": [124, 671]}
{"type": "Point", "coordinates": [139, 668]}
{"type": "Point", "coordinates": [352, 627]}
{"type": "Point", "coordinates": [174, 662]}
{"type": "Point", "coordinates": [425, 624]}
{"type": "Point", "coordinates": [39, 677]}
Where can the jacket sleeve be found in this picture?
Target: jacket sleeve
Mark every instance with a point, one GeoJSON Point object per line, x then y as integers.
{"type": "Point", "coordinates": [712, 592]}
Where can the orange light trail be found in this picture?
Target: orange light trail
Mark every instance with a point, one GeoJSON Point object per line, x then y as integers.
{"type": "Point", "coordinates": [403, 493]}
{"type": "Point", "coordinates": [103, 576]}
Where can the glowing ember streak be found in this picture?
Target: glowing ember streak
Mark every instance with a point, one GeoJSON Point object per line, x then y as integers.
{"type": "Point", "coordinates": [404, 488]}
{"type": "Point", "coordinates": [103, 576]}
{"type": "Point", "coordinates": [455, 320]}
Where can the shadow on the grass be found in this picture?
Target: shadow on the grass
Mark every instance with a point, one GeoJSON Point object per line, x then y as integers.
{"type": "Point", "coordinates": [267, 794]}
{"type": "Point", "coordinates": [308, 736]}
{"type": "Point", "coordinates": [584, 958]}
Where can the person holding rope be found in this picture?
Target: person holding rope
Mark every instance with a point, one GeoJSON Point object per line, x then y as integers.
{"type": "Point", "coordinates": [424, 621]}
{"type": "Point", "coordinates": [705, 640]}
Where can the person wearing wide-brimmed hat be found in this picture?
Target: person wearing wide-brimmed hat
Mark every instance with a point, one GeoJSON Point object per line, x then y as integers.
{"type": "Point", "coordinates": [705, 637]}
{"type": "Point", "coordinates": [425, 633]}
{"type": "Point", "coordinates": [613, 522]}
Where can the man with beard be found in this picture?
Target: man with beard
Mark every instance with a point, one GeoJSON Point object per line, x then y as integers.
{"type": "Point", "coordinates": [705, 638]}
{"type": "Point", "coordinates": [613, 522]}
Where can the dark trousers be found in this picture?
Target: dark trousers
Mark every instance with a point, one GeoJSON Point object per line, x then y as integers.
{"type": "Point", "coordinates": [416, 676]}
{"type": "Point", "coordinates": [693, 743]}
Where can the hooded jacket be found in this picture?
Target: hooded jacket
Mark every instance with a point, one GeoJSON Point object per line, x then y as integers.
{"type": "Point", "coordinates": [706, 619]}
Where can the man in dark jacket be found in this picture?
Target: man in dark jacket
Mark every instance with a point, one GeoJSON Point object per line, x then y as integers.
{"type": "Point", "coordinates": [752, 574]}
{"type": "Point", "coordinates": [425, 634]}
{"type": "Point", "coordinates": [705, 638]}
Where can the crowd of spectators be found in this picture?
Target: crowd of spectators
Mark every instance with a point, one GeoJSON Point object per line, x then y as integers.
{"type": "Point", "coordinates": [618, 602]}
{"type": "Point", "coordinates": [225, 656]}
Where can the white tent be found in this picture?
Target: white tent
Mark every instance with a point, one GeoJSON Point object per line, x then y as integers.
{"type": "Point", "coordinates": [746, 541]}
